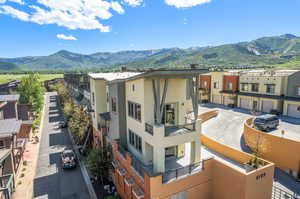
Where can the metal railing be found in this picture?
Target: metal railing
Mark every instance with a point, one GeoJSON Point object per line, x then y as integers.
{"type": "Point", "coordinates": [7, 184]}
{"type": "Point", "coordinates": [138, 167]}
{"type": "Point", "coordinates": [171, 130]}
{"type": "Point", "coordinates": [149, 128]}
{"type": "Point", "coordinates": [174, 174]}
{"type": "Point", "coordinates": [279, 193]}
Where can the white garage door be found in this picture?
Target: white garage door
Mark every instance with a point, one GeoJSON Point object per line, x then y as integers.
{"type": "Point", "coordinates": [267, 106]}
{"type": "Point", "coordinates": [227, 100]}
{"type": "Point", "coordinates": [217, 99]}
{"type": "Point", "coordinates": [293, 110]}
{"type": "Point", "coordinates": [245, 103]}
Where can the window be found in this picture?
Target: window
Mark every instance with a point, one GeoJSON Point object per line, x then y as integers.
{"type": "Point", "coordinates": [298, 91]}
{"type": "Point", "coordinates": [270, 88]}
{"type": "Point", "coordinates": [135, 140]}
{"type": "Point", "coordinates": [1, 115]}
{"type": "Point", "coordinates": [93, 98]}
{"type": "Point", "coordinates": [216, 84]}
{"type": "Point", "coordinates": [230, 86]}
{"type": "Point", "coordinates": [134, 110]}
{"type": "Point", "coordinates": [205, 84]}
{"type": "Point", "coordinates": [254, 87]}
{"type": "Point", "coordinates": [1, 144]}
{"type": "Point", "coordinates": [133, 87]}
{"type": "Point", "coordinates": [244, 86]}
{"type": "Point", "coordinates": [113, 104]}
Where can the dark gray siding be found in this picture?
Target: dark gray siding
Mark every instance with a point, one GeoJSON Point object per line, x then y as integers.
{"type": "Point", "coordinates": [293, 83]}
{"type": "Point", "coordinates": [122, 113]}
{"type": "Point", "coordinates": [9, 110]}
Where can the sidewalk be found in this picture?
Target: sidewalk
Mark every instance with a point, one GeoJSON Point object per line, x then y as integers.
{"type": "Point", "coordinates": [24, 185]}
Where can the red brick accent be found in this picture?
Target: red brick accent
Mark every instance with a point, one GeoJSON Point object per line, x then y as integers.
{"type": "Point", "coordinates": [231, 79]}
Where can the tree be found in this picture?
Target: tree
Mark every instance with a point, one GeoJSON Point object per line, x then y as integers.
{"type": "Point", "coordinates": [31, 92]}
{"type": "Point", "coordinates": [98, 163]}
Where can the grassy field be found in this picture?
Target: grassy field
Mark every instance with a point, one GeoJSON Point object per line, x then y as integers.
{"type": "Point", "coordinates": [9, 77]}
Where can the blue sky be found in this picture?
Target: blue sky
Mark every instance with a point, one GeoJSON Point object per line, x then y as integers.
{"type": "Point", "coordinates": [42, 27]}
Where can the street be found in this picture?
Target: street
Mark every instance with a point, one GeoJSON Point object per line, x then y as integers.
{"type": "Point", "coordinates": [51, 181]}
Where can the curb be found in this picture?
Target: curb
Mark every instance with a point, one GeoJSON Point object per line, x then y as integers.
{"type": "Point", "coordinates": [83, 169]}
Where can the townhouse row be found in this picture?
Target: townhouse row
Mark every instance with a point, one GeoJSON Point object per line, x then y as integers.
{"type": "Point", "coordinates": [149, 122]}
{"type": "Point", "coordinates": [265, 91]}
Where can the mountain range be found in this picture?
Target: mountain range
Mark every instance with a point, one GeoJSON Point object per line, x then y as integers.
{"type": "Point", "coordinates": [278, 51]}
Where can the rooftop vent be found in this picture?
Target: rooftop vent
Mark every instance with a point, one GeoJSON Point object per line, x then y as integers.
{"type": "Point", "coordinates": [123, 68]}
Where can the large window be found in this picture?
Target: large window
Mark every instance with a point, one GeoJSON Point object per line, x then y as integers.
{"type": "Point", "coordinates": [230, 86]}
{"type": "Point", "coordinates": [216, 85]}
{"type": "Point", "coordinates": [1, 115]}
{"type": "Point", "coordinates": [93, 98]}
{"type": "Point", "coordinates": [244, 86]}
{"type": "Point", "coordinates": [134, 110]}
{"type": "Point", "coordinates": [298, 91]}
{"type": "Point", "coordinates": [270, 88]}
{"type": "Point", "coordinates": [135, 141]}
{"type": "Point", "coordinates": [254, 87]}
{"type": "Point", "coordinates": [113, 104]}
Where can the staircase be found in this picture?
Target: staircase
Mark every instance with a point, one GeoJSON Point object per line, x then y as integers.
{"type": "Point", "coordinates": [279, 193]}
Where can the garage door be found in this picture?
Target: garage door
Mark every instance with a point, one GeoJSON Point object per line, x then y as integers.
{"type": "Point", "coordinates": [293, 110]}
{"type": "Point", "coordinates": [245, 103]}
{"type": "Point", "coordinates": [267, 106]}
{"type": "Point", "coordinates": [227, 100]}
{"type": "Point", "coordinates": [217, 99]}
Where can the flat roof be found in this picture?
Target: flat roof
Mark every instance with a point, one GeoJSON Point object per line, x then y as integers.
{"type": "Point", "coordinates": [113, 76]}
{"type": "Point", "coordinates": [9, 127]}
{"type": "Point", "coordinates": [9, 97]}
{"type": "Point", "coordinates": [275, 73]}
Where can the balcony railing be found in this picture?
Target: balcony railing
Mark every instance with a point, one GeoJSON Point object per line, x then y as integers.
{"type": "Point", "coordinates": [149, 128]}
{"type": "Point", "coordinates": [175, 174]}
{"type": "Point", "coordinates": [180, 129]}
{"type": "Point", "coordinates": [7, 185]}
{"type": "Point", "coordinates": [122, 151]}
{"type": "Point", "coordinates": [138, 167]}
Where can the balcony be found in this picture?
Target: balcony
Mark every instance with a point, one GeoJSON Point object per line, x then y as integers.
{"type": "Point", "coordinates": [180, 129]}
{"type": "Point", "coordinates": [7, 185]}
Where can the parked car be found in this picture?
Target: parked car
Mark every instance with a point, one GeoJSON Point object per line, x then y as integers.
{"type": "Point", "coordinates": [266, 122]}
{"type": "Point", "coordinates": [68, 158]}
{"type": "Point", "coordinates": [63, 124]}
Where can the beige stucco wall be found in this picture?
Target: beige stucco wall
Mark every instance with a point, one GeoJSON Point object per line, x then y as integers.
{"type": "Point", "coordinates": [98, 87]}
{"type": "Point", "coordinates": [280, 83]}
{"type": "Point", "coordinates": [143, 95]}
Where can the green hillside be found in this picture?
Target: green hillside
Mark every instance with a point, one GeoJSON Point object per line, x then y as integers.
{"type": "Point", "coordinates": [278, 51]}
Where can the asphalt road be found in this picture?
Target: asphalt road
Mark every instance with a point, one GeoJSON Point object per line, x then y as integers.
{"type": "Point", "coordinates": [51, 181]}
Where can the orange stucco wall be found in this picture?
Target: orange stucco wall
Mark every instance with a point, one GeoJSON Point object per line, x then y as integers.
{"type": "Point", "coordinates": [285, 153]}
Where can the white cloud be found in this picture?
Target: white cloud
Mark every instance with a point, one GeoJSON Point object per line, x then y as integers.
{"type": "Point", "coordinates": [73, 14]}
{"type": "Point", "coordinates": [18, 1]}
{"type": "Point", "coordinates": [117, 7]}
{"type": "Point", "coordinates": [14, 13]}
{"type": "Point", "coordinates": [133, 3]}
{"type": "Point", "coordinates": [66, 37]}
{"type": "Point", "coordinates": [186, 3]}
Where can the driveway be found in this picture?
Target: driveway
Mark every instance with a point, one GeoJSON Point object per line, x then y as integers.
{"type": "Point", "coordinates": [51, 181]}
{"type": "Point", "coordinates": [227, 128]}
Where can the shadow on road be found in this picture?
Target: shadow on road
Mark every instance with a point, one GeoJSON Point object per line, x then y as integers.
{"type": "Point", "coordinates": [287, 181]}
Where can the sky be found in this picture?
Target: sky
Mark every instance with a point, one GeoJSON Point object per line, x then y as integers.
{"type": "Point", "coordinates": [43, 27]}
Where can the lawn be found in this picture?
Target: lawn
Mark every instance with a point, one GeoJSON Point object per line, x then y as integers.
{"type": "Point", "coordinates": [9, 77]}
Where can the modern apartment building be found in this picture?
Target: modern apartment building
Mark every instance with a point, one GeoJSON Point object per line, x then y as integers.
{"type": "Point", "coordinates": [163, 156]}
{"type": "Point", "coordinates": [291, 105]}
{"type": "Point", "coordinates": [224, 87]}
{"type": "Point", "coordinates": [264, 90]}
{"type": "Point", "coordinates": [108, 107]}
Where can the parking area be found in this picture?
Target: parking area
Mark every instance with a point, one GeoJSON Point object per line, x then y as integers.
{"type": "Point", "coordinates": [228, 126]}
